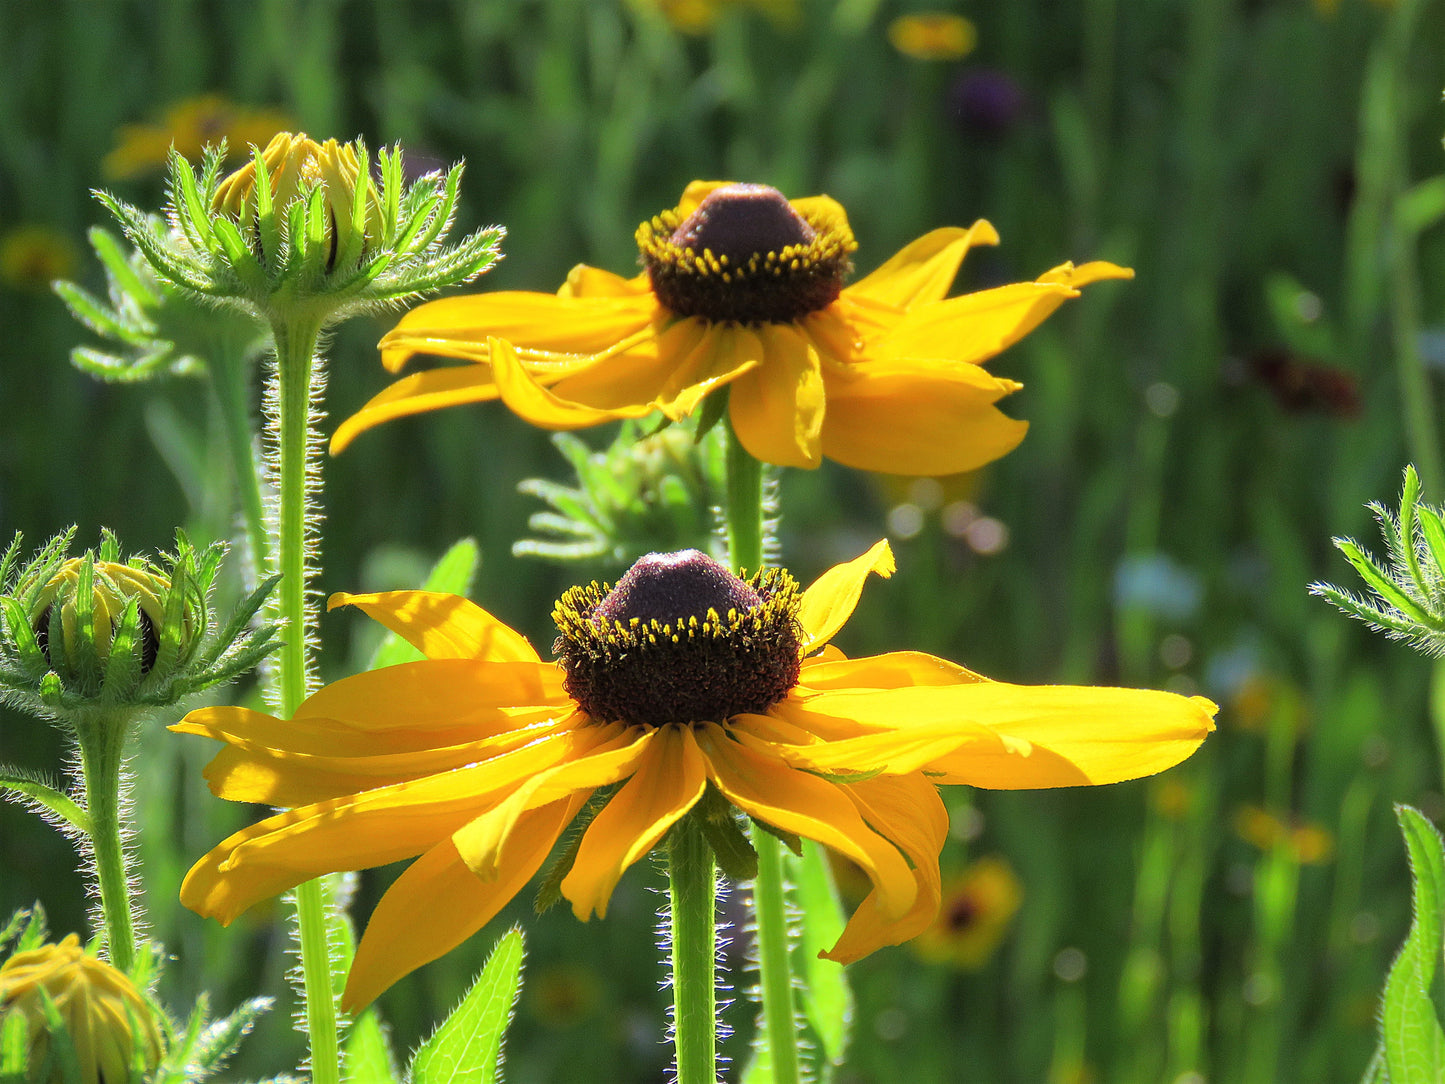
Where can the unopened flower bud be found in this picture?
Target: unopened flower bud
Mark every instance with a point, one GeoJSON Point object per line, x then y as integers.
{"type": "Point", "coordinates": [106, 1021]}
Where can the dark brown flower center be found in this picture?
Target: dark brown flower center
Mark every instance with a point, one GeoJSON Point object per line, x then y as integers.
{"type": "Point", "coordinates": [680, 639]}
{"type": "Point", "coordinates": [746, 255]}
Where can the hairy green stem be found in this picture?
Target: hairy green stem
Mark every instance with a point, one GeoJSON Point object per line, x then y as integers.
{"type": "Point", "coordinates": [295, 371]}
{"type": "Point", "coordinates": [230, 371]}
{"type": "Point", "coordinates": [102, 738]}
{"type": "Point", "coordinates": [745, 550]}
{"type": "Point", "coordinates": [692, 883]}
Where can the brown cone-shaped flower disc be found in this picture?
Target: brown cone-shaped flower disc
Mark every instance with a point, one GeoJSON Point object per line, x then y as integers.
{"type": "Point", "coordinates": [738, 220]}
{"type": "Point", "coordinates": [667, 587]}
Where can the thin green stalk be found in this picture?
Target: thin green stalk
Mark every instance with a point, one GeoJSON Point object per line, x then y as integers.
{"type": "Point", "coordinates": [101, 741]}
{"type": "Point", "coordinates": [745, 550]}
{"type": "Point", "coordinates": [692, 882]}
{"type": "Point", "coordinates": [229, 380]}
{"type": "Point", "coordinates": [295, 369]}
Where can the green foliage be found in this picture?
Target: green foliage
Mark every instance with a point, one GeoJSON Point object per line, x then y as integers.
{"type": "Point", "coordinates": [467, 1047]}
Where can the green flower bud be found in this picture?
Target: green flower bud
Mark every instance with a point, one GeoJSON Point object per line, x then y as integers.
{"type": "Point", "coordinates": [102, 1019]}
{"type": "Point", "coordinates": [96, 632]}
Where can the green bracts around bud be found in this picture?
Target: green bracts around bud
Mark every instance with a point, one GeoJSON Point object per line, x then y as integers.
{"type": "Point", "coordinates": [305, 232]}
{"type": "Point", "coordinates": [1407, 590]}
{"type": "Point", "coordinates": [95, 632]}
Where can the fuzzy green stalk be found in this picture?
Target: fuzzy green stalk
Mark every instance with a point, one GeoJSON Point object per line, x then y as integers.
{"type": "Point", "coordinates": [295, 372]}
{"type": "Point", "coordinates": [745, 551]}
{"type": "Point", "coordinates": [230, 381]}
{"type": "Point", "coordinates": [692, 885]}
{"type": "Point", "coordinates": [101, 736]}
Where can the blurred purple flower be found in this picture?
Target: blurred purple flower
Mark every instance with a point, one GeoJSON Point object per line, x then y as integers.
{"type": "Point", "coordinates": [985, 102]}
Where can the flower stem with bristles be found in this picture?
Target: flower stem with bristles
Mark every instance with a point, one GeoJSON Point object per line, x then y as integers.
{"type": "Point", "coordinates": [296, 372]}
{"type": "Point", "coordinates": [745, 550]}
{"type": "Point", "coordinates": [101, 736]}
{"type": "Point", "coordinates": [230, 373]}
{"type": "Point", "coordinates": [692, 883]}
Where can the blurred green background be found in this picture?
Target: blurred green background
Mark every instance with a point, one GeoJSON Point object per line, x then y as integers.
{"type": "Point", "coordinates": [1273, 171]}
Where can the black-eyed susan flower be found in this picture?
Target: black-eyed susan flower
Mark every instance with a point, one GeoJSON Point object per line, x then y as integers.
{"type": "Point", "coordinates": [106, 1022]}
{"type": "Point", "coordinates": [743, 289]}
{"type": "Point", "coordinates": [933, 35]}
{"type": "Point", "coordinates": [34, 256]}
{"type": "Point", "coordinates": [681, 681]}
{"type": "Point", "coordinates": [973, 916]}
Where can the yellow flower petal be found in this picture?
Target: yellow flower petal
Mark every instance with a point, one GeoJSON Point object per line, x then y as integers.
{"type": "Point", "coordinates": [668, 781]}
{"type": "Point", "coordinates": [1095, 271]}
{"type": "Point", "coordinates": [638, 375]}
{"type": "Point", "coordinates": [892, 752]}
{"type": "Point", "coordinates": [923, 270]}
{"type": "Point", "coordinates": [418, 394]}
{"type": "Point", "coordinates": [441, 625]}
{"type": "Point", "coordinates": [608, 754]}
{"type": "Point", "coordinates": [584, 281]}
{"type": "Point", "coordinates": [533, 403]}
{"type": "Point", "coordinates": [907, 423]}
{"type": "Point", "coordinates": [829, 602]}
{"type": "Point", "coordinates": [437, 694]}
{"type": "Point", "coordinates": [777, 408]}
{"type": "Point", "coordinates": [437, 903]}
{"type": "Point", "coordinates": [908, 811]}
{"type": "Point", "coordinates": [720, 357]}
{"type": "Point", "coordinates": [932, 35]}
{"type": "Point", "coordinates": [808, 806]}
{"type": "Point", "coordinates": [535, 321]}
{"type": "Point", "coordinates": [894, 670]}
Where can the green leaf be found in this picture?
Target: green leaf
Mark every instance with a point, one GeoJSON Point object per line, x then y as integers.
{"type": "Point", "coordinates": [14, 1036]}
{"type": "Point", "coordinates": [1375, 1071]}
{"type": "Point", "coordinates": [827, 1000]}
{"type": "Point", "coordinates": [467, 1047]}
{"type": "Point", "coordinates": [220, 1039]}
{"type": "Point", "coordinates": [368, 1054]}
{"type": "Point", "coordinates": [41, 793]}
{"type": "Point", "coordinates": [453, 574]}
{"type": "Point", "coordinates": [1413, 1041]}
{"type": "Point", "coordinates": [1382, 585]}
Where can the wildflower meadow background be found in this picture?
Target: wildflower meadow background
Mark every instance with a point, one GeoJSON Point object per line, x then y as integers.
{"type": "Point", "coordinates": [1271, 169]}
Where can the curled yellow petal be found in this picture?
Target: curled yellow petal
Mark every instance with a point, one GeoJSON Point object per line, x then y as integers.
{"type": "Point", "coordinates": [829, 602]}
{"type": "Point", "coordinates": [923, 270]}
{"type": "Point", "coordinates": [441, 625]}
{"type": "Point", "coordinates": [533, 403]}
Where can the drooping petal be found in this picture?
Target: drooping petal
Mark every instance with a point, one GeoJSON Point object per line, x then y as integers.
{"type": "Point", "coordinates": [975, 327]}
{"type": "Point", "coordinates": [531, 321]}
{"type": "Point", "coordinates": [437, 694]}
{"type": "Point", "coordinates": [614, 754]}
{"type": "Point", "coordinates": [829, 602]}
{"type": "Point", "coordinates": [777, 408]}
{"type": "Point", "coordinates": [643, 373]}
{"type": "Point", "coordinates": [437, 903]}
{"type": "Point", "coordinates": [535, 404]}
{"type": "Point", "coordinates": [667, 782]}
{"type": "Point", "coordinates": [909, 422]}
{"type": "Point", "coordinates": [907, 810]}
{"type": "Point", "coordinates": [584, 281]}
{"type": "Point", "coordinates": [808, 806]}
{"type": "Point", "coordinates": [923, 270]}
{"type": "Point", "coordinates": [418, 393]}
{"type": "Point", "coordinates": [441, 625]}
{"type": "Point", "coordinates": [359, 831]}
{"type": "Point", "coordinates": [894, 670]}
{"type": "Point", "coordinates": [720, 357]}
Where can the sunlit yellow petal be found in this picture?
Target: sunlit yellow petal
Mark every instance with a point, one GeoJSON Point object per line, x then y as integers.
{"type": "Point", "coordinates": [455, 903]}
{"type": "Point", "coordinates": [668, 781]}
{"type": "Point", "coordinates": [437, 694]}
{"type": "Point", "coordinates": [533, 403]}
{"type": "Point", "coordinates": [829, 602]}
{"type": "Point", "coordinates": [892, 752]}
{"type": "Point", "coordinates": [816, 207]}
{"type": "Point", "coordinates": [695, 193]}
{"type": "Point", "coordinates": [720, 357]}
{"type": "Point", "coordinates": [908, 811]}
{"type": "Point", "coordinates": [418, 394]}
{"type": "Point", "coordinates": [923, 270]}
{"type": "Point", "coordinates": [777, 409]}
{"type": "Point", "coordinates": [584, 281]}
{"type": "Point", "coordinates": [638, 374]}
{"type": "Point", "coordinates": [441, 625]}
{"type": "Point", "coordinates": [807, 806]}
{"type": "Point", "coordinates": [1085, 273]}
{"type": "Point", "coordinates": [894, 670]}
{"type": "Point", "coordinates": [914, 425]}
{"type": "Point", "coordinates": [534, 321]}
{"type": "Point", "coordinates": [608, 755]}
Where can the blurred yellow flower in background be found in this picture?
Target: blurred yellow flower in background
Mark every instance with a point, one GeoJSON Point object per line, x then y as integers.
{"type": "Point", "coordinates": [700, 16]}
{"type": "Point", "coordinates": [933, 35]}
{"type": "Point", "coordinates": [680, 680]}
{"type": "Point", "coordinates": [743, 290]}
{"type": "Point", "coordinates": [189, 126]}
{"type": "Point", "coordinates": [104, 1015]}
{"type": "Point", "coordinates": [1310, 844]}
{"type": "Point", "coordinates": [976, 909]}
{"type": "Point", "coordinates": [34, 256]}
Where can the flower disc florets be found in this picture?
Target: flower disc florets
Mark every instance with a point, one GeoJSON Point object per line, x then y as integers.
{"type": "Point", "coordinates": [680, 639]}
{"type": "Point", "coordinates": [746, 255]}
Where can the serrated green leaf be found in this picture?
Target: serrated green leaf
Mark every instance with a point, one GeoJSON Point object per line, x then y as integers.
{"type": "Point", "coordinates": [1382, 585]}
{"type": "Point", "coordinates": [827, 999]}
{"type": "Point", "coordinates": [17, 781]}
{"type": "Point", "coordinates": [1413, 1040]}
{"type": "Point", "coordinates": [220, 1039]}
{"type": "Point", "coordinates": [368, 1054]}
{"type": "Point", "coordinates": [467, 1047]}
{"type": "Point", "coordinates": [454, 574]}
